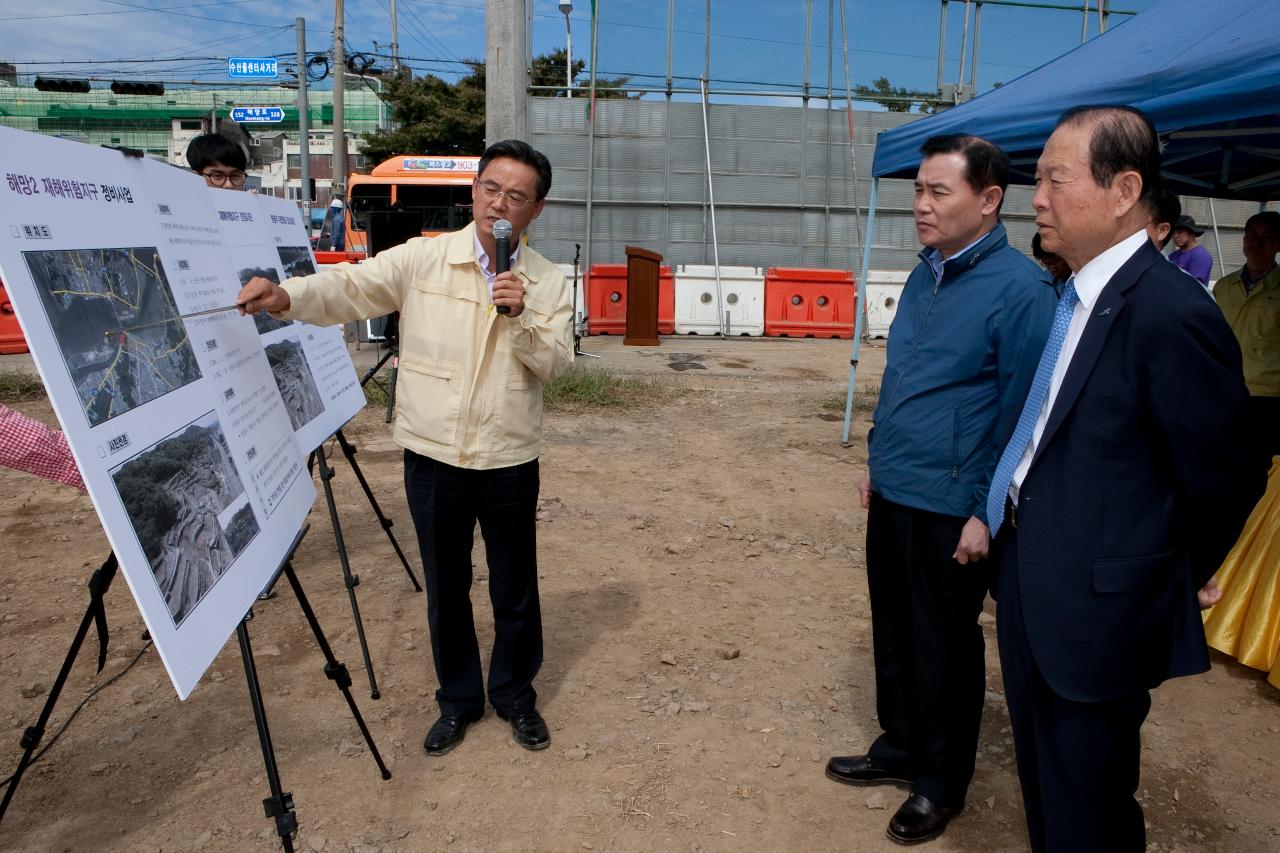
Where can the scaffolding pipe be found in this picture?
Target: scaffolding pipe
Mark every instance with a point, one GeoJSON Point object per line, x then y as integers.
{"type": "Point", "coordinates": [711, 198]}
{"type": "Point", "coordinates": [826, 188]}
{"type": "Point", "coordinates": [977, 37]}
{"type": "Point", "coordinates": [1217, 240]}
{"type": "Point", "coordinates": [964, 46]}
{"type": "Point", "coordinates": [804, 126]}
{"type": "Point", "coordinates": [666, 161]}
{"type": "Point", "coordinates": [942, 44]}
{"type": "Point", "coordinates": [858, 312]}
{"type": "Point", "coordinates": [853, 151]}
{"type": "Point", "coordinates": [591, 124]}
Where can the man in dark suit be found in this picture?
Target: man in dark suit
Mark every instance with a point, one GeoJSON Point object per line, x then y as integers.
{"type": "Point", "coordinates": [1123, 487]}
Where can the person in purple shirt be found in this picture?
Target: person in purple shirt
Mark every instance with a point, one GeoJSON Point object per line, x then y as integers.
{"type": "Point", "coordinates": [1190, 256]}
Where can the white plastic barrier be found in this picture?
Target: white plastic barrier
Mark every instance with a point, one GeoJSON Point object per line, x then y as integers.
{"type": "Point", "coordinates": [884, 290]}
{"type": "Point", "coordinates": [741, 292]}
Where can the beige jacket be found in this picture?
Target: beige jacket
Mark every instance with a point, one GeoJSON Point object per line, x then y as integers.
{"type": "Point", "coordinates": [469, 390]}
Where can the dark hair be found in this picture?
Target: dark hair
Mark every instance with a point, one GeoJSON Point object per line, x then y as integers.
{"type": "Point", "coordinates": [1037, 250]}
{"type": "Point", "coordinates": [210, 148]}
{"type": "Point", "coordinates": [985, 163]}
{"type": "Point", "coordinates": [521, 152]}
{"type": "Point", "coordinates": [1123, 139]}
{"type": "Point", "coordinates": [1269, 219]}
{"type": "Point", "coordinates": [1165, 207]}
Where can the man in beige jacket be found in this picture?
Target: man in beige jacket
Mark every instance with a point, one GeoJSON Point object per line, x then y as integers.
{"type": "Point", "coordinates": [469, 416]}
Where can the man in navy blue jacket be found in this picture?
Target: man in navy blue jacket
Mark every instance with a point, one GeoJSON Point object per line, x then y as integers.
{"type": "Point", "coordinates": [973, 318]}
{"type": "Point", "coordinates": [1125, 483]}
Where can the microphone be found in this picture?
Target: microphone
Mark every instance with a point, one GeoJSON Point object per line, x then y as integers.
{"type": "Point", "coordinates": [502, 248]}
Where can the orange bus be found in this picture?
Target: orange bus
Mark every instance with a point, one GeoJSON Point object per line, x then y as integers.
{"type": "Point", "coordinates": [437, 187]}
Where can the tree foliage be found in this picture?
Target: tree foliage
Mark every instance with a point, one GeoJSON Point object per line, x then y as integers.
{"type": "Point", "coordinates": [895, 99]}
{"type": "Point", "coordinates": [434, 116]}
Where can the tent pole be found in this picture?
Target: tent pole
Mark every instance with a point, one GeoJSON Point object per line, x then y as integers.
{"type": "Point", "coordinates": [859, 310]}
{"type": "Point", "coordinates": [1217, 240]}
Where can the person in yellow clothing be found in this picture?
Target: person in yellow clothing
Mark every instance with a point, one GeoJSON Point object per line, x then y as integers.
{"type": "Point", "coordinates": [469, 416]}
{"type": "Point", "coordinates": [1245, 623]}
{"type": "Point", "coordinates": [1250, 300]}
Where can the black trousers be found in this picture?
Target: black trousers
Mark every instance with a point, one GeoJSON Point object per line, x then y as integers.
{"type": "Point", "coordinates": [1078, 762]}
{"type": "Point", "coordinates": [1264, 420]}
{"type": "Point", "coordinates": [929, 651]}
{"type": "Point", "coordinates": [446, 502]}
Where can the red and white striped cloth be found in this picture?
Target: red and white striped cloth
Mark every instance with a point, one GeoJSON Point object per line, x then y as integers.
{"type": "Point", "coordinates": [28, 445]}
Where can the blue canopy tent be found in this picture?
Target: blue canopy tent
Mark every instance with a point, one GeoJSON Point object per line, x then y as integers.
{"type": "Point", "coordinates": [1207, 74]}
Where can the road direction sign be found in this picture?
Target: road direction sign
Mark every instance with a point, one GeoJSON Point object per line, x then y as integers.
{"type": "Point", "coordinates": [265, 115]}
{"type": "Point", "coordinates": [253, 68]}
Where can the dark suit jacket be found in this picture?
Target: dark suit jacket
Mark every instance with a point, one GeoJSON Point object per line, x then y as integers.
{"type": "Point", "coordinates": [1140, 485]}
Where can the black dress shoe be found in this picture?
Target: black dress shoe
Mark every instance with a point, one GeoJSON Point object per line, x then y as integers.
{"type": "Point", "coordinates": [447, 732]}
{"type": "Point", "coordinates": [863, 770]}
{"type": "Point", "coordinates": [528, 728]}
{"type": "Point", "coordinates": [920, 819]}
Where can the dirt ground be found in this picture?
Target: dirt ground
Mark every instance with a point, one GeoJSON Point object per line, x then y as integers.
{"type": "Point", "coordinates": [707, 649]}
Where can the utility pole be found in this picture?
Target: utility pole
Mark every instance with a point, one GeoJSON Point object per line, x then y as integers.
{"type": "Point", "coordinates": [339, 114]}
{"type": "Point", "coordinates": [304, 126]}
{"type": "Point", "coordinates": [395, 40]}
{"type": "Point", "coordinates": [505, 104]}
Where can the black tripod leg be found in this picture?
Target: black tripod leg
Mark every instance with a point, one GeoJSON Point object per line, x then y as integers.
{"type": "Point", "coordinates": [280, 804]}
{"type": "Point", "coordinates": [334, 670]}
{"type": "Point", "coordinates": [349, 450]}
{"type": "Point", "coordinates": [373, 371]}
{"type": "Point", "coordinates": [391, 390]}
{"type": "Point", "coordinates": [99, 583]}
{"type": "Point", "coordinates": [352, 581]}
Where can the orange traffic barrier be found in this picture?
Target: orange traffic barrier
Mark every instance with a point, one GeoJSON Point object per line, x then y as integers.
{"type": "Point", "coordinates": [606, 289]}
{"type": "Point", "coordinates": [11, 338]}
{"type": "Point", "coordinates": [327, 258]}
{"type": "Point", "coordinates": [809, 303]}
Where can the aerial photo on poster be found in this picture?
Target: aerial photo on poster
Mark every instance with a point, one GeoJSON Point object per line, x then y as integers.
{"type": "Point", "coordinates": [296, 261]}
{"type": "Point", "coordinates": [112, 312]}
{"type": "Point", "coordinates": [294, 378]}
{"type": "Point", "coordinates": [176, 493]}
{"type": "Point", "coordinates": [263, 321]}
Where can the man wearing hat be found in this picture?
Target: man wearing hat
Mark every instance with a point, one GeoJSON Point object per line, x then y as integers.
{"type": "Point", "coordinates": [1190, 256]}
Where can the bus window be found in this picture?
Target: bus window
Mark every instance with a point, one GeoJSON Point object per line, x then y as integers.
{"type": "Point", "coordinates": [444, 208]}
{"type": "Point", "coordinates": [364, 199]}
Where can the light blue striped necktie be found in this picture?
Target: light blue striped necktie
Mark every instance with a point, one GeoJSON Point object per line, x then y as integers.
{"type": "Point", "coordinates": [1031, 409]}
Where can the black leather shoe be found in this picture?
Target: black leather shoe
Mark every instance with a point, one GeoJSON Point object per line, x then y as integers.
{"type": "Point", "coordinates": [529, 729]}
{"type": "Point", "coordinates": [447, 732]}
{"type": "Point", "coordinates": [862, 770]}
{"type": "Point", "coordinates": [920, 819]}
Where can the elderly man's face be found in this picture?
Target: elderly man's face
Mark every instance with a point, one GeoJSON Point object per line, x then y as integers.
{"type": "Point", "coordinates": [949, 213]}
{"type": "Point", "coordinates": [1075, 216]}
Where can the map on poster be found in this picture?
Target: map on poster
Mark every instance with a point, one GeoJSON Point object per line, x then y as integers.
{"type": "Point", "coordinates": [185, 443]}
{"type": "Point", "coordinates": [265, 237]}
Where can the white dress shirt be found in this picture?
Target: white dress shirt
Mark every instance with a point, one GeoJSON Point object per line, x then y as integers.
{"type": "Point", "coordinates": [482, 259]}
{"type": "Point", "coordinates": [1092, 277]}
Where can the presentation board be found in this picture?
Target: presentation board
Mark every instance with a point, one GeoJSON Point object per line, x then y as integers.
{"type": "Point", "coordinates": [186, 445]}
{"type": "Point", "coordinates": [312, 367]}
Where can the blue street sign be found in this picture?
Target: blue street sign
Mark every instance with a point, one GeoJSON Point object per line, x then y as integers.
{"type": "Point", "coordinates": [253, 67]}
{"type": "Point", "coordinates": [249, 115]}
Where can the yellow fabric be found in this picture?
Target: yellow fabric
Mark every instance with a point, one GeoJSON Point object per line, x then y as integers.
{"type": "Point", "coordinates": [1246, 622]}
{"type": "Point", "coordinates": [1255, 319]}
{"type": "Point", "coordinates": [469, 390]}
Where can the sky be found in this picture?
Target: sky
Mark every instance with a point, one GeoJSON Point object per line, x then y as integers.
{"type": "Point", "coordinates": [755, 44]}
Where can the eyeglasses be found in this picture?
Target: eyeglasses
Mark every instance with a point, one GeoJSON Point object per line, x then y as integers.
{"type": "Point", "coordinates": [235, 179]}
{"type": "Point", "coordinates": [515, 198]}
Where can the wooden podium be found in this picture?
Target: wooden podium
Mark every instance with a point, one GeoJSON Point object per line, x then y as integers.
{"type": "Point", "coordinates": [643, 268]}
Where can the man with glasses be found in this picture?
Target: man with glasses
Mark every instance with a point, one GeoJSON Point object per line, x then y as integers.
{"type": "Point", "coordinates": [469, 416]}
{"type": "Point", "coordinates": [217, 159]}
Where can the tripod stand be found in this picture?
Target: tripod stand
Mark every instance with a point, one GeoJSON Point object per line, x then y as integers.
{"type": "Point", "coordinates": [279, 806]}
{"type": "Point", "coordinates": [577, 322]}
{"type": "Point", "coordinates": [391, 332]}
{"type": "Point", "coordinates": [351, 580]}
{"type": "Point", "coordinates": [95, 613]}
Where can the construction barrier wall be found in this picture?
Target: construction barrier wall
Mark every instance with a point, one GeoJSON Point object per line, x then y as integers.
{"type": "Point", "coordinates": [809, 303]}
{"type": "Point", "coordinates": [741, 297]}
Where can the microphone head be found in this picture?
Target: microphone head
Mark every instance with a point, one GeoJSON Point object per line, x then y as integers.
{"type": "Point", "coordinates": [502, 230]}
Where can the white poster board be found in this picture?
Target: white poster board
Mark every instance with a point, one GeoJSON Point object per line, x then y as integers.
{"type": "Point", "coordinates": [181, 435]}
{"type": "Point", "coordinates": [312, 367]}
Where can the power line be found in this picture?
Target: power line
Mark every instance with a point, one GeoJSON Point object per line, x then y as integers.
{"type": "Point", "coordinates": [133, 11]}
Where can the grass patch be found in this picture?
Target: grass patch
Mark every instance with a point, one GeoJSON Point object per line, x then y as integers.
{"type": "Point", "coordinates": [17, 385]}
{"type": "Point", "coordinates": [863, 401]}
{"type": "Point", "coordinates": [593, 388]}
{"type": "Point", "coordinates": [375, 390]}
